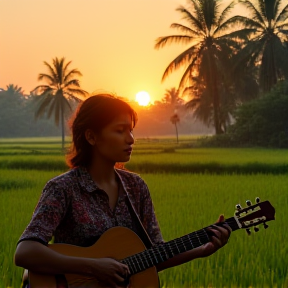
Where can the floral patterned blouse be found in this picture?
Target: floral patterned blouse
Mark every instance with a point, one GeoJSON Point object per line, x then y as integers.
{"type": "Point", "coordinates": [75, 211]}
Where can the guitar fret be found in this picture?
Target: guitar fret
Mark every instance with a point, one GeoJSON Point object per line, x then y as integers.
{"type": "Point", "coordinates": [163, 253]}
{"type": "Point", "coordinates": [170, 249]}
{"type": "Point", "coordinates": [208, 239]}
{"type": "Point", "coordinates": [160, 253]}
{"type": "Point", "coordinates": [148, 253]}
{"type": "Point", "coordinates": [183, 244]}
{"type": "Point", "coordinates": [154, 255]}
{"type": "Point", "coordinates": [144, 256]}
{"type": "Point", "coordinates": [140, 262]}
{"type": "Point", "coordinates": [198, 238]}
{"type": "Point", "coordinates": [132, 266]}
{"type": "Point", "coordinates": [190, 240]}
{"type": "Point", "coordinates": [136, 263]}
{"type": "Point", "coordinates": [177, 246]}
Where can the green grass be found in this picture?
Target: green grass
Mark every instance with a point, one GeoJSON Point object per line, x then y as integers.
{"type": "Point", "coordinates": [184, 202]}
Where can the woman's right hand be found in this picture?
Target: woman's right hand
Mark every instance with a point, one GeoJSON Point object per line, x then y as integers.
{"type": "Point", "coordinates": [109, 271]}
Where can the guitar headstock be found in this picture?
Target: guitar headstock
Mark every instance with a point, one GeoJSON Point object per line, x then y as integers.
{"type": "Point", "coordinates": [253, 215]}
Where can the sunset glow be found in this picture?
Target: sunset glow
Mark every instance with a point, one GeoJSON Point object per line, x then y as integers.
{"type": "Point", "coordinates": [143, 98]}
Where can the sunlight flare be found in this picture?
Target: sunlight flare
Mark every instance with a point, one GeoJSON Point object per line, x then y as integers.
{"type": "Point", "coordinates": [143, 98]}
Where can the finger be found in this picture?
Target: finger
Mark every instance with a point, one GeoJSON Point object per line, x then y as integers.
{"type": "Point", "coordinates": [119, 278]}
{"type": "Point", "coordinates": [222, 234]}
{"type": "Point", "coordinates": [216, 242]}
{"type": "Point", "coordinates": [221, 218]}
{"type": "Point", "coordinates": [223, 228]}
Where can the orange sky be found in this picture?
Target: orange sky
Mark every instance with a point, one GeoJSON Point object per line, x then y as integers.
{"type": "Point", "coordinates": [110, 41]}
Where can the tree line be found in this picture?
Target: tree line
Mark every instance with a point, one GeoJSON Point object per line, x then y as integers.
{"type": "Point", "coordinates": [228, 61]}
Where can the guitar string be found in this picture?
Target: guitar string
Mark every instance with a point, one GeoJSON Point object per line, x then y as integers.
{"type": "Point", "coordinates": [186, 239]}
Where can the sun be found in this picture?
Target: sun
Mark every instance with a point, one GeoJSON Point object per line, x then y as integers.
{"type": "Point", "coordinates": [143, 98]}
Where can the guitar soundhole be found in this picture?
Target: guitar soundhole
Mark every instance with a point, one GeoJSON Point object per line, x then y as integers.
{"type": "Point", "coordinates": [61, 281]}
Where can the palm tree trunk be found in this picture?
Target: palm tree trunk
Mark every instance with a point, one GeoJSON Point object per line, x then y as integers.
{"type": "Point", "coordinates": [176, 132]}
{"type": "Point", "coordinates": [62, 127]}
{"type": "Point", "coordinates": [215, 94]}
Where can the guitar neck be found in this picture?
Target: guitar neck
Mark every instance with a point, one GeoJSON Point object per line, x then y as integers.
{"type": "Point", "coordinates": [162, 252]}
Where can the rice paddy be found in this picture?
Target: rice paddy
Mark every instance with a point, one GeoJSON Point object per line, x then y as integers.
{"type": "Point", "coordinates": [184, 201]}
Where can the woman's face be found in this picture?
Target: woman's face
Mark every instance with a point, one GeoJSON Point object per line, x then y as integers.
{"type": "Point", "coordinates": [114, 142]}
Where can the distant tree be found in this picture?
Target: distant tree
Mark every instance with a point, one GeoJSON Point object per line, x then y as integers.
{"type": "Point", "coordinates": [174, 120]}
{"type": "Point", "coordinates": [263, 121]}
{"type": "Point", "coordinates": [172, 97]}
{"type": "Point", "coordinates": [267, 31]}
{"type": "Point", "coordinates": [62, 85]}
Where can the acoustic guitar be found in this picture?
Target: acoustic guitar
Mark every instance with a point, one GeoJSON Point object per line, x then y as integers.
{"type": "Point", "coordinates": [125, 246]}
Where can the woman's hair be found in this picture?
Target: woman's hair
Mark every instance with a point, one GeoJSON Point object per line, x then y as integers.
{"type": "Point", "coordinates": [94, 113]}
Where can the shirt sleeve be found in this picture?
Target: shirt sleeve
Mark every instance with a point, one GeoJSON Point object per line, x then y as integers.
{"type": "Point", "coordinates": [148, 217]}
{"type": "Point", "coordinates": [49, 212]}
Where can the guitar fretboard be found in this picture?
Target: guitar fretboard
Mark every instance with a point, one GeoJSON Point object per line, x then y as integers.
{"type": "Point", "coordinates": [162, 252]}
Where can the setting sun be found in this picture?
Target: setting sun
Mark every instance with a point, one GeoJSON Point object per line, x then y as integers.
{"type": "Point", "coordinates": [143, 98]}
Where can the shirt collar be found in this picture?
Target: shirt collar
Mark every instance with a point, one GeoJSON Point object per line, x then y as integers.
{"type": "Point", "coordinates": [86, 180]}
{"type": "Point", "coordinates": [89, 185]}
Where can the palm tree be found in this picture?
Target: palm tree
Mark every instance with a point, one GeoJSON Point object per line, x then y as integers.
{"type": "Point", "coordinates": [61, 87]}
{"type": "Point", "coordinates": [174, 120]}
{"type": "Point", "coordinates": [12, 90]}
{"type": "Point", "coordinates": [210, 46]}
{"type": "Point", "coordinates": [267, 29]}
{"type": "Point", "coordinates": [172, 97]}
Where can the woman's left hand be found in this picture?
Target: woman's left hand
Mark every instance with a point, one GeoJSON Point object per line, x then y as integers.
{"type": "Point", "coordinates": [221, 237]}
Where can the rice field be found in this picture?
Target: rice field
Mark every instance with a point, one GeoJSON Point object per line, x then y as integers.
{"type": "Point", "coordinates": [184, 202]}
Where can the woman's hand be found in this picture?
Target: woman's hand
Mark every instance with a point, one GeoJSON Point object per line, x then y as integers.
{"type": "Point", "coordinates": [221, 237]}
{"type": "Point", "coordinates": [109, 272]}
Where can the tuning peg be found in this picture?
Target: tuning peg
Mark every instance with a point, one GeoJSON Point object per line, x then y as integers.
{"type": "Point", "coordinates": [248, 231]}
{"type": "Point", "coordinates": [265, 225]}
{"type": "Point", "coordinates": [238, 207]}
{"type": "Point", "coordinates": [256, 229]}
{"type": "Point", "coordinates": [249, 203]}
{"type": "Point", "coordinates": [257, 200]}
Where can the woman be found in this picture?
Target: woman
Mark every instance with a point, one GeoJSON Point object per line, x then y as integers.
{"type": "Point", "coordinates": [79, 206]}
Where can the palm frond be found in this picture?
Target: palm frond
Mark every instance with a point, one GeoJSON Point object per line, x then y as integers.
{"type": "Point", "coordinates": [197, 11]}
{"type": "Point", "coordinates": [76, 91]}
{"type": "Point", "coordinates": [209, 10]}
{"type": "Point", "coordinates": [282, 26]}
{"type": "Point", "coordinates": [58, 64]}
{"type": "Point", "coordinates": [284, 31]}
{"type": "Point", "coordinates": [70, 74]}
{"type": "Point", "coordinates": [187, 74]}
{"type": "Point", "coordinates": [50, 78]}
{"type": "Point", "coordinates": [52, 71]}
{"type": "Point", "coordinates": [276, 9]}
{"type": "Point", "coordinates": [162, 41]}
{"type": "Point", "coordinates": [242, 34]}
{"type": "Point", "coordinates": [255, 13]}
{"type": "Point", "coordinates": [71, 96]}
{"type": "Point", "coordinates": [51, 109]}
{"type": "Point", "coordinates": [186, 29]}
{"type": "Point", "coordinates": [180, 60]}
{"type": "Point", "coordinates": [283, 15]}
{"type": "Point", "coordinates": [191, 18]}
{"type": "Point", "coordinates": [225, 12]}
{"type": "Point", "coordinates": [73, 82]}
{"type": "Point", "coordinates": [43, 89]}
{"type": "Point", "coordinates": [66, 67]}
{"type": "Point", "coordinates": [245, 21]}
{"type": "Point", "coordinates": [261, 4]}
{"type": "Point", "coordinates": [45, 100]}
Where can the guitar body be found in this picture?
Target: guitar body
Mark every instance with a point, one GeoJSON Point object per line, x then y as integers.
{"type": "Point", "coordinates": [117, 243]}
{"type": "Point", "coordinates": [121, 243]}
